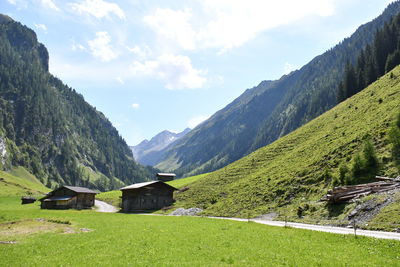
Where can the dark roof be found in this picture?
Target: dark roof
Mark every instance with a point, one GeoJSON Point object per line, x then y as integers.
{"type": "Point", "coordinates": [78, 189]}
{"type": "Point", "coordinates": [140, 185]}
{"type": "Point", "coordinates": [166, 174]}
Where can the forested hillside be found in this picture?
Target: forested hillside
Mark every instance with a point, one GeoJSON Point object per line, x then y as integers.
{"type": "Point", "coordinates": [272, 109]}
{"type": "Point", "coordinates": [48, 128]}
{"type": "Point", "coordinates": [374, 60]}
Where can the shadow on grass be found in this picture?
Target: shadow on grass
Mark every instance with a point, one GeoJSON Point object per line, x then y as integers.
{"type": "Point", "coordinates": [335, 210]}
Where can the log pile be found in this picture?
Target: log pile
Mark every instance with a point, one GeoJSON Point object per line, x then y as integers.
{"type": "Point", "coordinates": [345, 193]}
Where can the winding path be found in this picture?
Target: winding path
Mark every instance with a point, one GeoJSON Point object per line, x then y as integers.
{"type": "Point", "coordinates": [322, 228]}
{"type": "Point", "coordinates": [104, 207]}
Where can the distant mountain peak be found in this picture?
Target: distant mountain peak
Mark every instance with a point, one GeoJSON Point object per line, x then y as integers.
{"type": "Point", "coordinates": [147, 151]}
{"type": "Point", "coordinates": [5, 18]}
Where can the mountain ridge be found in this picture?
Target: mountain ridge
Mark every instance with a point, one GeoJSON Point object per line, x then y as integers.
{"type": "Point", "coordinates": [295, 171]}
{"type": "Point", "coordinates": [48, 128]}
{"type": "Point", "coordinates": [270, 110]}
{"type": "Point", "coordinates": [148, 152]}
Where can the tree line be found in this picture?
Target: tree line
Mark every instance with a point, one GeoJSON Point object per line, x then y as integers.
{"type": "Point", "coordinates": [373, 61]}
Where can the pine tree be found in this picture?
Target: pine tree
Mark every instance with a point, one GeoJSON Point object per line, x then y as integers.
{"type": "Point", "coordinates": [370, 159]}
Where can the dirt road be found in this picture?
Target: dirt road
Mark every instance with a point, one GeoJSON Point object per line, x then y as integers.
{"type": "Point", "coordinates": [322, 228]}
{"type": "Point", "coordinates": [104, 207]}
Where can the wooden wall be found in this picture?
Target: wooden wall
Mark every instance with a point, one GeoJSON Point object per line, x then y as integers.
{"type": "Point", "coordinates": [152, 197]}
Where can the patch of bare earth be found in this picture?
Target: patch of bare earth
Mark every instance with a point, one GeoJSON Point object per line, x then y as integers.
{"type": "Point", "coordinates": [11, 231]}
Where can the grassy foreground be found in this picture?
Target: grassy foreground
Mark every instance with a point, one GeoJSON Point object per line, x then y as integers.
{"type": "Point", "coordinates": [139, 240]}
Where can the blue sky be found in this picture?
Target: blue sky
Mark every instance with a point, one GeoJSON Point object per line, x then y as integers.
{"type": "Point", "coordinates": [155, 65]}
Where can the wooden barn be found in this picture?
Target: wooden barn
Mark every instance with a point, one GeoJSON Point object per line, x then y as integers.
{"type": "Point", "coordinates": [152, 195]}
{"type": "Point", "coordinates": [69, 197]}
{"type": "Point", "coordinates": [165, 177]}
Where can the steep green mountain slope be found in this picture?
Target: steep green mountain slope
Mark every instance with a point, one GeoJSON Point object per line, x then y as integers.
{"type": "Point", "coordinates": [19, 182]}
{"type": "Point", "coordinates": [270, 110]}
{"type": "Point", "coordinates": [48, 128]}
{"type": "Point", "coordinates": [297, 170]}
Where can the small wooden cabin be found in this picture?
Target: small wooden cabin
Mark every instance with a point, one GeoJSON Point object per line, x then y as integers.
{"type": "Point", "coordinates": [152, 195]}
{"type": "Point", "coordinates": [27, 200]}
{"type": "Point", "coordinates": [69, 197]}
{"type": "Point", "coordinates": [165, 177]}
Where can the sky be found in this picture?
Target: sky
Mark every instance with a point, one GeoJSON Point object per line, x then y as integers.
{"type": "Point", "coordinates": [161, 65]}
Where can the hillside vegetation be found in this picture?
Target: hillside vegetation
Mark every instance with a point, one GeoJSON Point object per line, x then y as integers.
{"type": "Point", "coordinates": [48, 128]}
{"type": "Point", "coordinates": [271, 109]}
{"type": "Point", "coordinates": [296, 170]}
{"type": "Point", "coordinates": [19, 182]}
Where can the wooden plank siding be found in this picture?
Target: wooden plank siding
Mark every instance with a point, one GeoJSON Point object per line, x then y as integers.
{"type": "Point", "coordinates": [152, 196]}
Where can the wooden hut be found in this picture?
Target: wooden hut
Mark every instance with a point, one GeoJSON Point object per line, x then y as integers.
{"type": "Point", "coordinates": [165, 177]}
{"type": "Point", "coordinates": [152, 195]}
{"type": "Point", "coordinates": [27, 200]}
{"type": "Point", "coordinates": [69, 197]}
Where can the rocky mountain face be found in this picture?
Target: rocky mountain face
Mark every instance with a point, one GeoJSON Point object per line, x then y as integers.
{"type": "Point", "coordinates": [148, 152]}
{"type": "Point", "coordinates": [271, 109]}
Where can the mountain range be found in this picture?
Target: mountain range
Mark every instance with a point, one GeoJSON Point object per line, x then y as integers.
{"type": "Point", "coordinates": [271, 109]}
{"type": "Point", "coordinates": [289, 176]}
{"type": "Point", "coordinates": [148, 152]}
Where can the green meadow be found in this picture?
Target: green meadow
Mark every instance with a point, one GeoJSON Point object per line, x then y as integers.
{"type": "Point", "coordinates": [76, 238]}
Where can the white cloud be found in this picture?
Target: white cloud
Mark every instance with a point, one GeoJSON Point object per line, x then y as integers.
{"type": "Point", "coordinates": [77, 47]}
{"type": "Point", "coordinates": [135, 105]}
{"type": "Point", "coordinates": [120, 80]}
{"type": "Point", "coordinates": [176, 71]}
{"type": "Point", "coordinates": [194, 121]}
{"type": "Point", "coordinates": [100, 47]}
{"type": "Point", "coordinates": [50, 4]}
{"type": "Point", "coordinates": [98, 8]}
{"type": "Point", "coordinates": [225, 24]}
{"type": "Point", "coordinates": [173, 25]}
{"type": "Point", "coordinates": [288, 68]}
{"type": "Point", "coordinates": [13, 2]}
{"type": "Point", "coordinates": [141, 52]}
{"type": "Point", "coordinates": [41, 27]}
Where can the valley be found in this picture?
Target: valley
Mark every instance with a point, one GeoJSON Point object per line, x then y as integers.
{"type": "Point", "coordinates": [281, 176]}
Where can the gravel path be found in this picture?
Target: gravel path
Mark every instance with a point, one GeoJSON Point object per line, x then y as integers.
{"type": "Point", "coordinates": [104, 207]}
{"type": "Point", "coordinates": [322, 228]}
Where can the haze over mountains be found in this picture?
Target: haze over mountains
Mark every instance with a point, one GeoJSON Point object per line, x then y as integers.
{"type": "Point", "coordinates": [149, 152]}
{"type": "Point", "coordinates": [269, 110]}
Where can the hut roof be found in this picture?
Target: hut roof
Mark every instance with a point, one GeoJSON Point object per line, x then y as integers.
{"type": "Point", "coordinates": [166, 174]}
{"type": "Point", "coordinates": [78, 189]}
{"type": "Point", "coordinates": [140, 185]}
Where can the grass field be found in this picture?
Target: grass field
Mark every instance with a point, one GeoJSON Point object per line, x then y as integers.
{"type": "Point", "coordinates": [179, 183]}
{"type": "Point", "coordinates": [140, 240]}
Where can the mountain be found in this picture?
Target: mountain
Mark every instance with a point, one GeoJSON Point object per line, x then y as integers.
{"type": "Point", "coordinates": [270, 110]}
{"type": "Point", "coordinates": [48, 128]}
{"type": "Point", "coordinates": [294, 172]}
{"type": "Point", "coordinates": [149, 152]}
